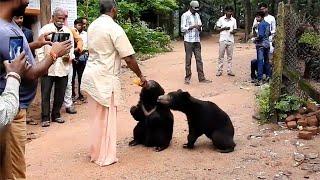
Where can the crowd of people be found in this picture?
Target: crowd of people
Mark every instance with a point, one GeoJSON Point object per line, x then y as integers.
{"type": "Point", "coordinates": [93, 55]}
{"type": "Point", "coordinates": [263, 32]}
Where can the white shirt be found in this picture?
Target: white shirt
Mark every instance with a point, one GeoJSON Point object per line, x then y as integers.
{"type": "Point", "coordinates": [84, 36]}
{"type": "Point", "coordinates": [9, 101]}
{"type": "Point", "coordinates": [187, 20]}
{"type": "Point", "coordinates": [59, 68]}
{"type": "Point", "coordinates": [273, 26]}
{"type": "Point", "coordinates": [226, 34]}
{"type": "Point", "coordinates": [107, 43]}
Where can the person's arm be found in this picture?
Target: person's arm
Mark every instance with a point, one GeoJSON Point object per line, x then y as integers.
{"type": "Point", "coordinates": [126, 52]}
{"type": "Point", "coordinates": [184, 24]}
{"type": "Point", "coordinates": [133, 65]}
{"type": "Point", "coordinates": [199, 27]}
{"type": "Point", "coordinates": [41, 68]}
{"type": "Point", "coordinates": [78, 40]}
{"type": "Point", "coordinates": [9, 101]}
{"type": "Point", "coordinates": [235, 27]}
{"type": "Point", "coordinates": [219, 26]}
{"type": "Point", "coordinates": [41, 41]}
{"type": "Point", "coordinates": [254, 25]}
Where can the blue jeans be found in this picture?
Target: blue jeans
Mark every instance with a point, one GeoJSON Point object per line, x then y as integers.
{"type": "Point", "coordinates": [263, 62]}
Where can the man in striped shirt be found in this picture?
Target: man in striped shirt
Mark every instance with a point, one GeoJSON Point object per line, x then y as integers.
{"type": "Point", "coordinates": [191, 27]}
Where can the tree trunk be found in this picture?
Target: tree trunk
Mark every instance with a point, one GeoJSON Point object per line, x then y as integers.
{"type": "Point", "coordinates": [248, 21]}
{"type": "Point", "coordinates": [45, 12]}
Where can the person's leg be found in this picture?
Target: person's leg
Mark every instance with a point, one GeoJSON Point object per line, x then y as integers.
{"type": "Point", "coordinates": [104, 131]}
{"type": "Point", "coordinates": [267, 66]}
{"type": "Point", "coordinates": [222, 48]}
{"type": "Point", "coordinates": [46, 86]}
{"type": "Point", "coordinates": [74, 73]}
{"type": "Point", "coordinates": [254, 69]}
{"type": "Point", "coordinates": [230, 47]}
{"type": "Point", "coordinates": [59, 93]}
{"type": "Point", "coordinates": [188, 49]}
{"type": "Point", "coordinates": [199, 62]}
{"type": "Point", "coordinates": [260, 63]}
{"type": "Point", "coordinates": [68, 94]}
{"type": "Point", "coordinates": [15, 147]}
{"type": "Point", "coordinates": [80, 71]}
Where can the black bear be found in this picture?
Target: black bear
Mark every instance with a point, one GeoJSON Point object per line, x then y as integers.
{"type": "Point", "coordinates": [155, 121]}
{"type": "Point", "coordinates": [204, 117]}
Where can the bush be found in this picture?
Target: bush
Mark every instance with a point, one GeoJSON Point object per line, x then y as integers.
{"type": "Point", "coordinates": [145, 40]}
{"type": "Point", "coordinates": [263, 101]}
{"type": "Point", "coordinates": [285, 106]}
{"type": "Point", "coordinates": [288, 105]}
{"type": "Point", "coordinates": [312, 39]}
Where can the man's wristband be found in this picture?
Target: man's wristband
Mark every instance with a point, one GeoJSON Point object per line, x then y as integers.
{"type": "Point", "coordinates": [14, 75]}
{"type": "Point", "coordinates": [54, 56]}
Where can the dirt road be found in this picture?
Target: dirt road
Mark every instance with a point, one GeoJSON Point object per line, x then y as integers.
{"type": "Point", "coordinates": [60, 152]}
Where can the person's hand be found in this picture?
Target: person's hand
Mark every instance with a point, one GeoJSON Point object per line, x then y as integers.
{"type": "Point", "coordinates": [192, 27]}
{"type": "Point", "coordinates": [44, 39]}
{"type": "Point", "coordinates": [226, 28]}
{"type": "Point", "coordinates": [199, 27]}
{"type": "Point", "coordinates": [19, 65]}
{"type": "Point", "coordinates": [143, 81]}
{"type": "Point", "coordinates": [61, 48]}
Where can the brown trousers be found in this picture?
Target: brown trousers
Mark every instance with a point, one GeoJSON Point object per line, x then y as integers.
{"type": "Point", "coordinates": [12, 148]}
{"type": "Point", "coordinates": [193, 48]}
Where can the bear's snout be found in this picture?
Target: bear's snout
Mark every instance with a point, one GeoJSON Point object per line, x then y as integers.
{"type": "Point", "coordinates": [164, 99]}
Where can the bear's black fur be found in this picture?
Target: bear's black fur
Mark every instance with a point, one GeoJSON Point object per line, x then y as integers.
{"type": "Point", "coordinates": [204, 117]}
{"type": "Point", "coordinates": [155, 121]}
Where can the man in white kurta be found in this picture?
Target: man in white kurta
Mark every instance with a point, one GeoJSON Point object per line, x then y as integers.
{"type": "Point", "coordinates": [107, 44]}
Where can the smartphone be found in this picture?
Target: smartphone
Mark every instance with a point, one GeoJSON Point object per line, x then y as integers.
{"type": "Point", "coordinates": [15, 47]}
{"type": "Point", "coordinates": [60, 37]}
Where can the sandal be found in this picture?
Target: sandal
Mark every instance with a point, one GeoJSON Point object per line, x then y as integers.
{"type": "Point", "coordinates": [45, 124]}
{"type": "Point", "coordinates": [59, 120]}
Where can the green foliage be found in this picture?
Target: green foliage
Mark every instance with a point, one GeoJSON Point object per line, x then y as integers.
{"type": "Point", "coordinates": [288, 105]}
{"type": "Point", "coordinates": [312, 39]}
{"type": "Point", "coordinates": [145, 40]}
{"type": "Point", "coordinates": [89, 9]}
{"type": "Point", "coordinates": [263, 101]}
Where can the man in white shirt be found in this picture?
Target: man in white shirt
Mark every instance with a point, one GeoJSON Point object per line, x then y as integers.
{"type": "Point", "coordinates": [191, 26]}
{"type": "Point", "coordinates": [269, 19]}
{"type": "Point", "coordinates": [57, 74]}
{"type": "Point", "coordinates": [227, 25]}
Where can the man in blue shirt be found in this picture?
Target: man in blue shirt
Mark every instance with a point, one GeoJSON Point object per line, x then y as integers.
{"type": "Point", "coordinates": [262, 45]}
{"type": "Point", "coordinates": [14, 165]}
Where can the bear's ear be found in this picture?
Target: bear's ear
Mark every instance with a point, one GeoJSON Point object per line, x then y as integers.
{"type": "Point", "coordinates": [180, 91]}
{"type": "Point", "coordinates": [186, 94]}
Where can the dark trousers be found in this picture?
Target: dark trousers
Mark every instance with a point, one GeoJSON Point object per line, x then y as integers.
{"type": "Point", "coordinates": [78, 68]}
{"type": "Point", "coordinates": [60, 85]}
{"type": "Point", "coordinates": [193, 48]}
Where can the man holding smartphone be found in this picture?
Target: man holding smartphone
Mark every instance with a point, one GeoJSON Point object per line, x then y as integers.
{"type": "Point", "coordinates": [14, 166]}
{"type": "Point", "coordinates": [191, 26]}
{"type": "Point", "coordinates": [227, 26]}
{"type": "Point", "coordinates": [58, 73]}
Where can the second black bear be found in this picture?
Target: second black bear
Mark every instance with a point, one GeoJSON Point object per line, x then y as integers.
{"type": "Point", "coordinates": [204, 117]}
{"type": "Point", "coordinates": [155, 121]}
